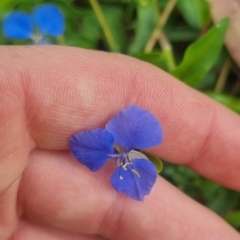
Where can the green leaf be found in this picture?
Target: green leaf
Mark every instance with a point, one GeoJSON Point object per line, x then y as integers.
{"type": "Point", "coordinates": [146, 21]}
{"type": "Point", "coordinates": [201, 56]}
{"type": "Point", "coordinates": [155, 58]}
{"type": "Point", "coordinates": [155, 160]}
{"type": "Point", "coordinates": [229, 101]}
{"type": "Point", "coordinates": [195, 12]}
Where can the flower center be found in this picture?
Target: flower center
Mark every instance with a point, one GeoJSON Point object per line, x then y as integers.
{"type": "Point", "coordinates": [124, 166]}
{"type": "Point", "coordinates": [125, 160]}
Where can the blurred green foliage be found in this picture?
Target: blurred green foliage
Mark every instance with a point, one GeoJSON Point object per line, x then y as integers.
{"type": "Point", "coordinates": [201, 55]}
{"type": "Point", "coordinates": [195, 12]}
{"type": "Point", "coordinates": [176, 36]}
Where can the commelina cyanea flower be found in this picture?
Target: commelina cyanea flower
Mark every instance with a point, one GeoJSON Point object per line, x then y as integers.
{"type": "Point", "coordinates": [130, 130]}
{"type": "Point", "coordinates": [47, 19]}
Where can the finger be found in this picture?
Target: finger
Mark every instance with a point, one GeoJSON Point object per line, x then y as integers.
{"type": "Point", "coordinates": [231, 9]}
{"type": "Point", "coordinates": [67, 90]}
{"type": "Point", "coordinates": [8, 212]}
{"type": "Point", "coordinates": [14, 143]}
{"type": "Point", "coordinates": [57, 191]}
{"type": "Point", "coordinates": [29, 231]}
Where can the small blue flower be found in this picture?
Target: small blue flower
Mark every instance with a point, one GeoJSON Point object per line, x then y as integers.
{"type": "Point", "coordinates": [131, 129]}
{"type": "Point", "coordinates": [48, 19]}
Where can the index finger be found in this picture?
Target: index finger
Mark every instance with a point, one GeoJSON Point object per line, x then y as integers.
{"type": "Point", "coordinates": [50, 93]}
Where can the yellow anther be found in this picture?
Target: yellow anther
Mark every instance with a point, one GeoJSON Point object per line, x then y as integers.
{"type": "Point", "coordinates": [134, 171]}
{"type": "Point", "coordinates": [124, 166]}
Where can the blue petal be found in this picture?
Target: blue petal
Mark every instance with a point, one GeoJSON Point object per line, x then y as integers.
{"type": "Point", "coordinates": [132, 184]}
{"type": "Point", "coordinates": [49, 20]}
{"type": "Point", "coordinates": [92, 148]}
{"type": "Point", "coordinates": [18, 25]}
{"type": "Point", "coordinates": [135, 128]}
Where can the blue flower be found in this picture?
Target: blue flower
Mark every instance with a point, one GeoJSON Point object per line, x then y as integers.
{"type": "Point", "coordinates": [48, 19]}
{"type": "Point", "coordinates": [131, 129]}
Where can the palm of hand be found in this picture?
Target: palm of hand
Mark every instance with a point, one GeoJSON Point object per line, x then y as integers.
{"type": "Point", "coordinates": [46, 194]}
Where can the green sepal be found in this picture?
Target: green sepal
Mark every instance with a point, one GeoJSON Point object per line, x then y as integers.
{"type": "Point", "coordinates": [155, 160]}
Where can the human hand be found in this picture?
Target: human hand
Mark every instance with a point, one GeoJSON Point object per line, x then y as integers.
{"type": "Point", "coordinates": [48, 93]}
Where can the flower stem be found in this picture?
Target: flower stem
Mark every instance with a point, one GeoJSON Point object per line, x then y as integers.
{"type": "Point", "coordinates": [103, 22]}
{"type": "Point", "coordinates": [223, 76]}
{"type": "Point", "coordinates": [161, 22]}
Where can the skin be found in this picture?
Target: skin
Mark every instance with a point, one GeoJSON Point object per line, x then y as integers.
{"type": "Point", "coordinates": [48, 93]}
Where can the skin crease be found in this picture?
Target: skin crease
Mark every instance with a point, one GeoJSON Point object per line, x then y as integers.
{"type": "Point", "coordinates": [48, 93]}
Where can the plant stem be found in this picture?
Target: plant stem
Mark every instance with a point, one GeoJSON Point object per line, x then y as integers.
{"type": "Point", "coordinates": [167, 12]}
{"type": "Point", "coordinates": [103, 22]}
{"type": "Point", "coordinates": [223, 76]}
{"type": "Point", "coordinates": [161, 22]}
{"type": "Point", "coordinates": [167, 51]}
